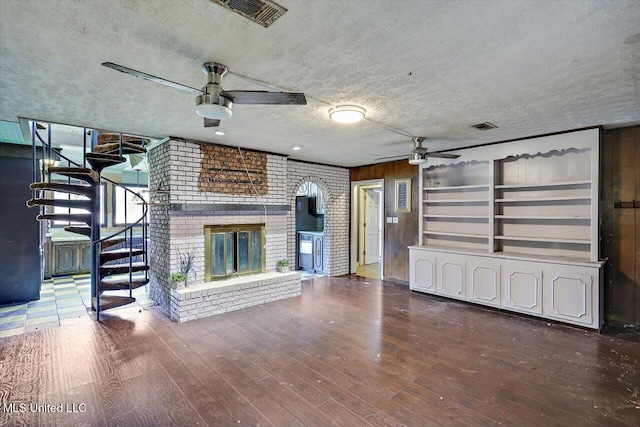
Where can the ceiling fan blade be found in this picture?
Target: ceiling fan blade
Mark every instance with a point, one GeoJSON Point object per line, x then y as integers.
{"type": "Point", "coordinates": [443, 155]}
{"type": "Point", "coordinates": [400, 157]}
{"type": "Point", "coordinates": [151, 78]}
{"type": "Point", "coordinates": [264, 97]}
{"type": "Point", "coordinates": [211, 123]}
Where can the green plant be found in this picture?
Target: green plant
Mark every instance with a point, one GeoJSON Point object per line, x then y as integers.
{"type": "Point", "coordinates": [177, 277]}
{"type": "Point", "coordinates": [186, 261]}
{"type": "Point", "coordinates": [283, 263]}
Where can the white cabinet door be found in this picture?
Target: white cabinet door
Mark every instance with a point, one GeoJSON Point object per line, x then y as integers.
{"type": "Point", "coordinates": [569, 295]}
{"type": "Point", "coordinates": [522, 287]}
{"type": "Point", "coordinates": [483, 281]}
{"type": "Point", "coordinates": [450, 280]}
{"type": "Point", "coordinates": [422, 271]}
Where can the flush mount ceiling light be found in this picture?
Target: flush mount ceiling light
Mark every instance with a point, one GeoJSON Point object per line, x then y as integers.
{"type": "Point", "coordinates": [220, 131]}
{"type": "Point", "coordinates": [296, 147]}
{"type": "Point", "coordinates": [347, 113]}
{"type": "Point", "coordinates": [417, 159]}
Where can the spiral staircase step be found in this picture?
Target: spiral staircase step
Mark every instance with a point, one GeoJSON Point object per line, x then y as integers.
{"type": "Point", "coordinates": [82, 190]}
{"type": "Point", "coordinates": [66, 217]}
{"type": "Point", "coordinates": [108, 270]}
{"type": "Point", "coordinates": [114, 148]}
{"type": "Point", "coordinates": [62, 203]}
{"type": "Point", "coordinates": [112, 255]}
{"type": "Point", "coordinates": [122, 283]}
{"type": "Point", "coordinates": [79, 229]}
{"type": "Point", "coordinates": [112, 301]}
{"type": "Point", "coordinates": [85, 174]}
{"type": "Point", "coordinates": [112, 242]}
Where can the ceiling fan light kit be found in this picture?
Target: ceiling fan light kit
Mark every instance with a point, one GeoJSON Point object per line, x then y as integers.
{"type": "Point", "coordinates": [417, 159]}
{"type": "Point", "coordinates": [213, 111]}
{"type": "Point", "coordinates": [347, 114]}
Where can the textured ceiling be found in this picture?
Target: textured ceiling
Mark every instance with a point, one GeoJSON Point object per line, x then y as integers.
{"type": "Point", "coordinates": [426, 68]}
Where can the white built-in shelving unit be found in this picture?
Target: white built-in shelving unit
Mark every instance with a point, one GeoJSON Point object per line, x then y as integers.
{"type": "Point", "coordinates": [515, 226]}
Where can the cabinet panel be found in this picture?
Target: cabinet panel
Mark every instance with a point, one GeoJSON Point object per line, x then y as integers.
{"type": "Point", "coordinates": [483, 282]}
{"type": "Point", "coordinates": [569, 296]}
{"type": "Point", "coordinates": [522, 288]}
{"type": "Point", "coordinates": [422, 271]}
{"type": "Point", "coordinates": [85, 258]}
{"type": "Point", "coordinates": [65, 258]}
{"type": "Point", "coordinates": [450, 276]}
{"type": "Point", "coordinates": [318, 254]}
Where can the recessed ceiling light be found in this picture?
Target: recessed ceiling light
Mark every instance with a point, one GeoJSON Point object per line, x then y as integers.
{"type": "Point", "coordinates": [296, 147]}
{"type": "Point", "coordinates": [347, 113]}
{"type": "Point", "coordinates": [220, 131]}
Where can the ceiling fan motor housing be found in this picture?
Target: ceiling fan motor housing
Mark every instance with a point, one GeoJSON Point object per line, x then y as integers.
{"type": "Point", "coordinates": [211, 105]}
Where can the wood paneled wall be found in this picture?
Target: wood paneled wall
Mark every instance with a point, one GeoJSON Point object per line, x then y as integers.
{"type": "Point", "coordinates": [620, 229]}
{"type": "Point", "coordinates": [405, 233]}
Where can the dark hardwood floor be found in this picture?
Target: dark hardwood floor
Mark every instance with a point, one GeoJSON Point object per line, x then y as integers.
{"type": "Point", "coordinates": [349, 351]}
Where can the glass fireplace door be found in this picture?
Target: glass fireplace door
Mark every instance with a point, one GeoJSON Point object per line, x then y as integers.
{"type": "Point", "coordinates": [233, 250]}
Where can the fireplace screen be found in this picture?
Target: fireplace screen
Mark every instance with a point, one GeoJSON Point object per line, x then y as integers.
{"type": "Point", "coordinates": [233, 250]}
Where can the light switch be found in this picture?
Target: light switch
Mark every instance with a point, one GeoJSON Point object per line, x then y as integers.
{"type": "Point", "coordinates": [395, 219]}
{"type": "Point", "coordinates": [389, 220]}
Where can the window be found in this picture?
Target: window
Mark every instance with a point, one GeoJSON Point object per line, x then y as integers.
{"type": "Point", "coordinates": [134, 206]}
{"type": "Point", "coordinates": [233, 250]}
{"type": "Point", "coordinates": [65, 196]}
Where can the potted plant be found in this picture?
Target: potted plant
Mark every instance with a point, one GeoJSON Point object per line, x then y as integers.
{"type": "Point", "coordinates": [283, 265]}
{"type": "Point", "coordinates": [177, 280]}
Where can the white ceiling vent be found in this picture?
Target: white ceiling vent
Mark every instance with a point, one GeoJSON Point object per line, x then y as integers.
{"type": "Point", "coordinates": [264, 12]}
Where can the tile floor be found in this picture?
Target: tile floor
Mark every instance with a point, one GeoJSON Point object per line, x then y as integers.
{"type": "Point", "coordinates": [63, 300]}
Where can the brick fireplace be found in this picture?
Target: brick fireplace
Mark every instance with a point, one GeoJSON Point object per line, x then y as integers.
{"type": "Point", "coordinates": [198, 187]}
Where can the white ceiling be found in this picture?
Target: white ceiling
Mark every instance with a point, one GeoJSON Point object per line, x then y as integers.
{"type": "Point", "coordinates": [427, 68]}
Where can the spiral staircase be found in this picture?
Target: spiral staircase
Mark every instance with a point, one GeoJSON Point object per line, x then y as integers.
{"type": "Point", "coordinates": [119, 261]}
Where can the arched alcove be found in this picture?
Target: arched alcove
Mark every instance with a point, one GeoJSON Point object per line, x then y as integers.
{"type": "Point", "coordinates": [324, 198]}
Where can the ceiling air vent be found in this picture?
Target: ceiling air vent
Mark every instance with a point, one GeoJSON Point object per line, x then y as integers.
{"type": "Point", "coordinates": [264, 12]}
{"type": "Point", "coordinates": [484, 126]}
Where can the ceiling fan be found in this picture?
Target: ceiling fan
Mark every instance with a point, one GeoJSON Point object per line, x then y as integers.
{"type": "Point", "coordinates": [419, 153]}
{"type": "Point", "coordinates": [213, 103]}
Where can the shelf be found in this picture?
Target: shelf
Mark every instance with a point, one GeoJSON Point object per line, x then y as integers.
{"type": "Point", "coordinates": [543, 199]}
{"type": "Point", "coordinates": [544, 239]}
{"type": "Point", "coordinates": [548, 185]}
{"type": "Point", "coordinates": [457, 201]}
{"type": "Point", "coordinates": [582, 262]}
{"type": "Point", "coordinates": [458, 188]}
{"type": "Point", "coordinates": [456, 216]}
{"type": "Point", "coordinates": [544, 218]}
{"type": "Point", "coordinates": [443, 233]}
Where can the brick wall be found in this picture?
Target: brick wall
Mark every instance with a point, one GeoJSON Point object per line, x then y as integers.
{"type": "Point", "coordinates": [159, 225]}
{"type": "Point", "coordinates": [334, 183]}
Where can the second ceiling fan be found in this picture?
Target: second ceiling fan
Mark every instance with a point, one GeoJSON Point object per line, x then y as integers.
{"type": "Point", "coordinates": [419, 153]}
{"type": "Point", "coordinates": [213, 103]}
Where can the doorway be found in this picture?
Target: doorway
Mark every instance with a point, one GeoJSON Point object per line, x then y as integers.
{"type": "Point", "coordinates": [367, 229]}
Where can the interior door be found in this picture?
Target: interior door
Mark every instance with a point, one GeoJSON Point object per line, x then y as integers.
{"type": "Point", "coordinates": [372, 226]}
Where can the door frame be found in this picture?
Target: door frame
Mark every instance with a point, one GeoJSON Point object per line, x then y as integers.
{"type": "Point", "coordinates": [357, 188]}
